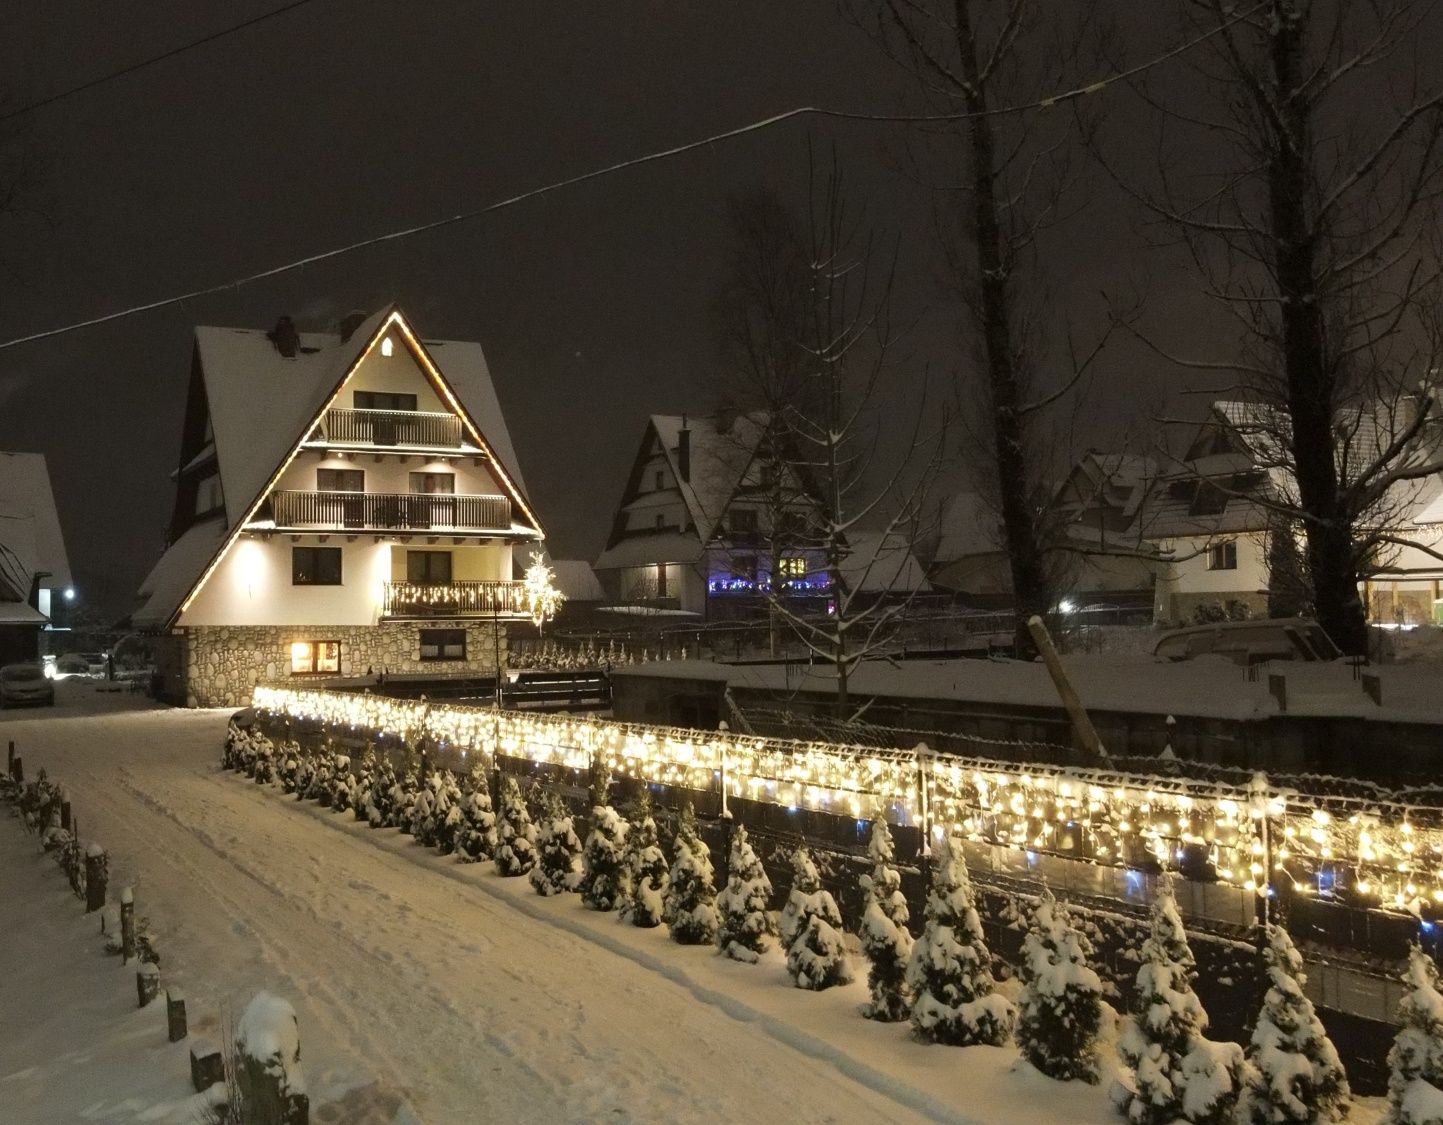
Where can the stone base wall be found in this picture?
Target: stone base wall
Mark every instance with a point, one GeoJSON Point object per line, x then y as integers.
{"type": "Point", "coordinates": [224, 662]}
{"type": "Point", "coordinates": [1181, 607]}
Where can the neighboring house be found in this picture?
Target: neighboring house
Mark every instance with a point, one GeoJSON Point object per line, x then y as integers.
{"type": "Point", "coordinates": [693, 531]}
{"type": "Point", "coordinates": [346, 504]}
{"type": "Point", "coordinates": [35, 581]}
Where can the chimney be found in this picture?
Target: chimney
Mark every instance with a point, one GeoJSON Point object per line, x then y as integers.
{"type": "Point", "coordinates": [285, 337]}
{"type": "Point", "coordinates": [350, 322]}
{"type": "Point", "coordinates": [683, 452]}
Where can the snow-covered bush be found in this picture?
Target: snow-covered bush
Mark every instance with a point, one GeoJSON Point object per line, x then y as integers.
{"type": "Point", "coordinates": [883, 932]}
{"type": "Point", "coordinates": [1173, 1066]}
{"type": "Point", "coordinates": [319, 788]}
{"type": "Point", "coordinates": [954, 997]}
{"type": "Point", "coordinates": [558, 865]}
{"type": "Point", "coordinates": [421, 825]}
{"type": "Point", "coordinates": [646, 868]}
{"type": "Point", "coordinates": [1296, 1074]}
{"type": "Point", "coordinates": [515, 834]}
{"type": "Point", "coordinates": [448, 813]}
{"type": "Point", "coordinates": [1060, 1007]}
{"type": "Point", "coordinates": [1415, 1061]}
{"type": "Point", "coordinates": [689, 907]}
{"type": "Point", "coordinates": [378, 800]}
{"type": "Point", "coordinates": [811, 930]}
{"type": "Point", "coordinates": [288, 764]}
{"type": "Point", "coordinates": [341, 780]}
{"type": "Point", "coordinates": [477, 838]}
{"type": "Point", "coordinates": [305, 775]}
{"type": "Point", "coordinates": [361, 782]}
{"type": "Point", "coordinates": [603, 876]}
{"type": "Point", "coordinates": [745, 922]}
{"type": "Point", "coordinates": [403, 797]}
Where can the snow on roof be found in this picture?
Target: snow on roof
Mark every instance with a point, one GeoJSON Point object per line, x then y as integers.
{"type": "Point", "coordinates": [171, 579]}
{"type": "Point", "coordinates": [643, 550]}
{"type": "Point", "coordinates": [576, 580]}
{"type": "Point", "coordinates": [969, 526]}
{"type": "Point", "coordinates": [877, 562]}
{"type": "Point", "coordinates": [720, 455]}
{"type": "Point", "coordinates": [29, 524]}
{"type": "Point", "coordinates": [20, 613]}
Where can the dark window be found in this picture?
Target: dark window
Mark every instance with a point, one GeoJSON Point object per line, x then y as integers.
{"type": "Point", "coordinates": [1223, 556]}
{"type": "Point", "coordinates": [660, 480]}
{"type": "Point", "coordinates": [443, 644]}
{"type": "Point", "coordinates": [341, 480]}
{"type": "Point", "coordinates": [430, 568]}
{"type": "Point", "coordinates": [384, 400]}
{"type": "Point", "coordinates": [315, 566]}
{"type": "Point", "coordinates": [744, 567]}
{"type": "Point", "coordinates": [661, 580]}
{"type": "Point", "coordinates": [308, 657]}
{"type": "Point", "coordinates": [437, 483]}
{"type": "Point", "coordinates": [744, 521]}
{"type": "Point", "coordinates": [1209, 501]}
{"type": "Point", "coordinates": [660, 521]}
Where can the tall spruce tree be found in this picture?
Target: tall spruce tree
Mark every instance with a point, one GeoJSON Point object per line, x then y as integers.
{"type": "Point", "coordinates": [745, 922]}
{"type": "Point", "coordinates": [646, 868]}
{"type": "Point", "coordinates": [558, 863]}
{"type": "Point", "coordinates": [603, 875]}
{"type": "Point", "coordinates": [690, 904]}
{"type": "Point", "coordinates": [950, 972]}
{"type": "Point", "coordinates": [1060, 1007]}
{"type": "Point", "coordinates": [515, 834]}
{"type": "Point", "coordinates": [811, 929]}
{"type": "Point", "coordinates": [1415, 1062]}
{"type": "Point", "coordinates": [885, 939]}
{"type": "Point", "coordinates": [1296, 1074]}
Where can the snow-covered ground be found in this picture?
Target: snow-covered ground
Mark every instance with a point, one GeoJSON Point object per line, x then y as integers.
{"type": "Point", "coordinates": [427, 990]}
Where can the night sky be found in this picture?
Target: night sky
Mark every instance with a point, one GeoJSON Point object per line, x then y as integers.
{"type": "Point", "coordinates": [347, 118]}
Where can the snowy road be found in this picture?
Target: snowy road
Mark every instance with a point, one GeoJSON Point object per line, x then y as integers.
{"type": "Point", "coordinates": [442, 993]}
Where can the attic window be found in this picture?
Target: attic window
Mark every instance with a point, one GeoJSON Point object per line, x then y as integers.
{"type": "Point", "coordinates": [387, 347]}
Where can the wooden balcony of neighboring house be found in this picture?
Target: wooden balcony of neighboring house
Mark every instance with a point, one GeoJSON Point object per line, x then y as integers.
{"type": "Point", "coordinates": [454, 599]}
{"type": "Point", "coordinates": [409, 429]}
{"type": "Point", "coordinates": [446, 513]}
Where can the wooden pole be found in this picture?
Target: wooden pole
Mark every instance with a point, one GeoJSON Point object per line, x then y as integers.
{"type": "Point", "coordinates": [1082, 727]}
{"type": "Point", "coordinates": [175, 1023]}
{"type": "Point", "coordinates": [127, 924]}
{"type": "Point", "coordinates": [95, 877]}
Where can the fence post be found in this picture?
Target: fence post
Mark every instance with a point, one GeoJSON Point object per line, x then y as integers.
{"type": "Point", "coordinates": [96, 873]}
{"type": "Point", "coordinates": [924, 811]}
{"type": "Point", "coordinates": [1258, 792]}
{"type": "Point", "coordinates": [127, 925]}
{"type": "Point", "coordinates": [724, 730]}
{"type": "Point", "coordinates": [17, 769]}
{"type": "Point", "coordinates": [10, 757]}
{"type": "Point", "coordinates": [175, 1023]}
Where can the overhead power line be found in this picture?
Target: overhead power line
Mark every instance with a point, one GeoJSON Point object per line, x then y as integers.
{"type": "Point", "coordinates": [30, 107]}
{"type": "Point", "coordinates": [1040, 104]}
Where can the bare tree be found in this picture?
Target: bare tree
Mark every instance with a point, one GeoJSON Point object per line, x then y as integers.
{"type": "Point", "coordinates": [1303, 179]}
{"type": "Point", "coordinates": [1011, 177]}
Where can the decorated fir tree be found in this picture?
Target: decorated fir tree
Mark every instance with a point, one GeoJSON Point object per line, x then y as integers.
{"type": "Point", "coordinates": [954, 997]}
{"type": "Point", "coordinates": [745, 922]}
{"type": "Point", "coordinates": [1163, 1043]}
{"type": "Point", "coordinates": [646, 869]}
{"type": "Point", "coordinates": [515, 834]}
{"type": "Point", "coordinates": [885, 939]}
{"type": "Point", "coordinates": [603, 873]}
{"type": "Point", "coordinates": [1415, 1062]}
{"type": "Point", "coordinates": [1296, 1074]}
{"type": "Point", "coordinates": [689, 907]}
{"type": "Point", "coordinates": [558, 864]}
{"type": "Point", "coordinates": [1060, 1006]}
{"type": "Point", "coordinates": [476, 839]}
{"type": "Point", "coordinates": [811, 930]}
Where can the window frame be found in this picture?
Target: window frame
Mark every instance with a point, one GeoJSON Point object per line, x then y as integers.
{"type": "Point", "coordinates": [412, 483]}
{"type": "Point", "coordinates": [441, 640]}
{"type": "Point", "coordinates": [316, 651]}
{"type": "Point", "coordinates": [1223, 555]}
{"type": "Point", "coordinates": [372, 400]}
{"type": "Point", "coordinates": [355, 475]}
{"type": "Point", "coordinates": [429, 556]}
{"type": "Point", "coordinates": [315, 552]}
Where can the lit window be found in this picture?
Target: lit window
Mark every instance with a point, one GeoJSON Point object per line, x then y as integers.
{"type": "Point", "coordinates": [792, 568]}
{"type": "Point", "coordinates": [387, 348]}
{"type": "Point", "coordinates": [308, 657]}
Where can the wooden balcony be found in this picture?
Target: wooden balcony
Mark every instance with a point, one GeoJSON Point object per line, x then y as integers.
{"type": "Point", "coordinates": [416, 428]}
{"type": "Point", "coordinates": [389, 511]}
{"type": "Point", "coordinates": [453, 599]}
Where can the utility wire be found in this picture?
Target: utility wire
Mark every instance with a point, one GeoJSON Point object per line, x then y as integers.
{"type": "Point", "coordinates": [636, 162]}
{"type": "Point", "coordinates": [30, 107]}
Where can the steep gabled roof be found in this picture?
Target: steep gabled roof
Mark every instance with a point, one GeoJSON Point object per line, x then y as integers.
{"type": "Point", "coordinates": [264, 405]}
{"type": "Point", "coordinates": [30, 536]}
{"type": "Point", "coordinates": [720, 455]}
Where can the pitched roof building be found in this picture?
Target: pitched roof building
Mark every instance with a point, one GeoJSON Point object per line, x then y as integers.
{"type": "Point", "coordinates": [34, 568]}
{"type": "Point", "coordinates": [345, 502]}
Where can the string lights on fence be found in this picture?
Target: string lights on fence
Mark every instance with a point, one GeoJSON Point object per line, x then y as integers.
{"type": "Point", "coordinates": [1253, 836]}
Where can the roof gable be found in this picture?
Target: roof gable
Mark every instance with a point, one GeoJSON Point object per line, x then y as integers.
{"type": "Point", "coordinates": [30, 535]}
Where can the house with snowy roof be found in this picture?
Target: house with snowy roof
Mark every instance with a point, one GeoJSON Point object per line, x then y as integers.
{"type": "Point", "coordinates": [705, 508]}
{"type": "Point", "coordinates": [346, 503]}
{"type": "Point", "coordinates": [35, 580]}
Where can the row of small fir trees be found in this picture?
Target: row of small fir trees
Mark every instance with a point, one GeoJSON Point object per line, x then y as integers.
{"type": "Point", "coordinates": [942, 981]}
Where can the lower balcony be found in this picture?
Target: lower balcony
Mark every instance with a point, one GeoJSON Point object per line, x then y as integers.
{"type": "Point", "coordinates": [453, 599]}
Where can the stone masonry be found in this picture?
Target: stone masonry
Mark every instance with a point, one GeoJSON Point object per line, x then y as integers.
{"type": "Point", "coordinates": [224, 662]}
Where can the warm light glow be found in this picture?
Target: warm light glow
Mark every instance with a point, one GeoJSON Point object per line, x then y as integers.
{"type": "Point", "coordinates": [542, 598]}
{"type": "Point", "coordinates": [387, 347]}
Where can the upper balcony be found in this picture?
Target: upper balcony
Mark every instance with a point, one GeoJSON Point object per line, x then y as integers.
{"type": "Point", "coordinates": [386, 511]}
{"type": "Point", "coordinates": [405, 429]}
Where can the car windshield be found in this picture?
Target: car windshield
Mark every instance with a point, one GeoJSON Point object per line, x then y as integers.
{"type": "Point", "coordinates": [16, 672]}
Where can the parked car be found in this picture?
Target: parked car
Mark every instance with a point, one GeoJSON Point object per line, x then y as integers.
{"type": "Point", "coordinates": [1250, 642]}
{"type": "Point", "coordinates": [95, 663]}
{"type": "Point", "coordinates": [73, 663]}
{"type": "Point", "coordinates": [25, 683]}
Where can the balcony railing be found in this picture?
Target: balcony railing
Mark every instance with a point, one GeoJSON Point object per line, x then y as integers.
{"type": "Point", "coordinates": [391, 511]}
{"type": "Point", "coordinates": [453, 599]}
{"type": "Point", "coordinates": [394, 427]}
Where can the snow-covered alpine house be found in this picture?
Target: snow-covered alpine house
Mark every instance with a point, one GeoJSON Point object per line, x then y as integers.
{"type": "Point", "coordinates": [34, 569]}
{"type": "Point", "coordinates": [346, 504]}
